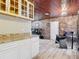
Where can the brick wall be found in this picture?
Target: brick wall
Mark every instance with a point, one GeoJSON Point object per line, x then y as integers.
{"type": "Point", "coordinates": [68, 23]}
{"type": "Point", "coordinates": [46, 29]}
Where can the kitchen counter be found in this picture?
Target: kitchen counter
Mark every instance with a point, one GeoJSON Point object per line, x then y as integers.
{"type": "Point", "coordinates": [35, 35]}
{"type": "Point", "coordinates": [21, 49]}
{"type": "Point", "coordinates": [35, 45]}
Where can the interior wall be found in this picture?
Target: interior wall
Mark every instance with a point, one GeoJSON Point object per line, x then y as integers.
{"type": "Point", "coordinates": [68, 23]}
{"type": "Point", "coordinates": [46, 29]}
{"type": "Point", "coordinates": [54, 30]}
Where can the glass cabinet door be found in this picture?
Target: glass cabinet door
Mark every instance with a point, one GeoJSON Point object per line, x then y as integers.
{"type": "Point", "coordinates": [31, 11]}
{"type": "Point", "coordinates": [24, 8]}
{"type": "Point", "coordinates": [3, 5]}
{"type": "Point", "coordinates": [32, 1]}
{"type": "Point", "coordinates": [14, 6]}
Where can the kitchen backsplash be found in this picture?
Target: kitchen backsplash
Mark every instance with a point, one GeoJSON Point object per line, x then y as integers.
{"type": "Point", "coordinates": [13, 28]}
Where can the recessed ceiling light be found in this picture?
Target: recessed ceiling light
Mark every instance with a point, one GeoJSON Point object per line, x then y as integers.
{"type": "Point", "coordinates": [46, 13]}
{"type": "Point", "coordinates": [64, 8]}
{"type": "Point", "coordinates": [63, 13]}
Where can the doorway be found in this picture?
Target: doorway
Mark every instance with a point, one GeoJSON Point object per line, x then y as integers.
{"type": "Point", "coordinates": [54, 30]}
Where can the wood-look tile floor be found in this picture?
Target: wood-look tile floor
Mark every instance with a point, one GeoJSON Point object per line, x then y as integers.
{"type": "Point", "coordinates": [49, 50]}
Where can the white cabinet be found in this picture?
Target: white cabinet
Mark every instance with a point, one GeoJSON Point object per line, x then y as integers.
{"type": "Point", "coordinates": [8, 51]}
{"type": "Point", "coordinates": [54, 30]}
{"type": "Point", "coordinates": [25, 49]}
{"type": "Point", "coordinates": [35, 46]}
{"type": "Point", "coordinates": [16, 50]}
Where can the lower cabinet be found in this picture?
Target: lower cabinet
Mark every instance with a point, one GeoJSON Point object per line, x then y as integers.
{"type": "Point", "coordinates": [16, 50]}
{"type": "Point", "coordinates": [8, 51]}
{"type": "Point", "coordinates": [35, 46]}
{"type": "Point", "coordinates": [25, 49]}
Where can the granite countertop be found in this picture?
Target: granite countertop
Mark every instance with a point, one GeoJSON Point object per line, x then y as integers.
{"type": "Point", "coordinates": [4, 38]}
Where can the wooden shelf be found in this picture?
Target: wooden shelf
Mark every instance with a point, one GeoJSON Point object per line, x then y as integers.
{"type": "Point", "coordinates": [16, 11]}
{"type": "Point", "coordinates": [12, 10]}
{"type": "Point", "coordinates": [23, 1]}
{"type": "Point", "coordinates": [3, 1]}
{"type": "Point", "coordinates": [16, 5]}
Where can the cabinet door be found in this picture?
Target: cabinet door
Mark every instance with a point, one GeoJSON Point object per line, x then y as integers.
{"type": "Point", "coordinates": [3, 5]}
{"type": "Point", "coordinates": [24, 8]}
{"type": "Point", "coordinates": [25, 50]}
{"type": "Point", "coordinates": [10, 53]}
{"type": "Point", "coordinates": [14, 4]}
{"type": "Point", "coordinates": [31, 11]}
{"type": "Point", "coordinates": [35, 46]}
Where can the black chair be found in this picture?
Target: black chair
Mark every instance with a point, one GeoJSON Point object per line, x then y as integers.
{"type": "Point", "coordinates": [61, 40]}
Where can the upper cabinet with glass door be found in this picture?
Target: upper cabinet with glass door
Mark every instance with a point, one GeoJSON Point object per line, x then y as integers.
{"type": "Point", "coordinates": [14, 7]}
{"type": "Point", "coordinates": [31, 9]}
{"type": "Point", "coordinates": [27, 8]}
{"type": "Point", "coordinates": [19, 8]}
{"type": "Point", "coordinates": [24, 8]}
{"type": "Point", "coordinates": [3, 5]}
